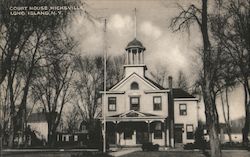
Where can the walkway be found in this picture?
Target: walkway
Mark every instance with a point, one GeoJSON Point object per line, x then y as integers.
{"type": "Point", "coordinates": [124, 151]}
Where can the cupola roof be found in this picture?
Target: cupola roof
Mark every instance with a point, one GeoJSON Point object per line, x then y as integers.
{"type": "Point", "coordinates": [135, 44]}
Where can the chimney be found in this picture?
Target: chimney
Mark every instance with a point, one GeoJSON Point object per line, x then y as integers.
{"type": "Point", "coordinates": [171, 111]}
{"type": "Point", "coordinates": [170, 82]}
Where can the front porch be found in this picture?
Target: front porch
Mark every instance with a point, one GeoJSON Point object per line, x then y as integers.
{"type": "Point", "coordinates": [135, 128]}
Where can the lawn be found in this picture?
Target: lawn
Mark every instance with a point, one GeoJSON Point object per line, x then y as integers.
{"type": "Point", "coordinates": [164, 154]}
{"type": "Point", "coordinates": [54, 154]}
{"type": "Point", "coordinates": [234, 153]}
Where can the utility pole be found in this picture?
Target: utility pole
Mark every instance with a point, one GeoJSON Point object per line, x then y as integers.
{"type": "Point", "coordinates": [171, 113]}
{"type": "Point", "coordinates": [1, 130]}
{"type": "Point", "coordinates": [105, 84]}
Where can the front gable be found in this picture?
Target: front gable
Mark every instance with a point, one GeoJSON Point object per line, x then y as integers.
{"type": "Point", "coordinates": [134, 114]}
{"type": "Point", "coordinates": [125, 83]}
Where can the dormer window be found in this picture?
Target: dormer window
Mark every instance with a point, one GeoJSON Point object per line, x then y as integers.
{"type": "Point", "coordinates": [134, 86]}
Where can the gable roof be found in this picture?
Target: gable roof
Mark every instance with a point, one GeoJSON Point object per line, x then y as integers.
{"type": "Point", "coordinates": [177, 92]}
{"type": "Point", "coordinates": [37, 117]}
{"type": "Point", "coordinates": [154, 83]}
{"type": "Point", "coordinates": [126, 78]}
{"type": "Point", "coordinates": [180, 93]}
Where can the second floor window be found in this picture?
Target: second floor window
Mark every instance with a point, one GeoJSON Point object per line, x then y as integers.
{"type": "Point", "coordinates": [112, 103]}
{"type": "Point", "coordinates": [157, 102]}
{"type": "Point", "coordinates": [134, 103]}
{"type": "Point", "coordinates": [183, 109]}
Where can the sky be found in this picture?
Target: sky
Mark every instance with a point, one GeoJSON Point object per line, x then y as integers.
{"type": "Point", "coordinates": [152, 26]}
{"type": "Point", "coordinates": [174, 50]}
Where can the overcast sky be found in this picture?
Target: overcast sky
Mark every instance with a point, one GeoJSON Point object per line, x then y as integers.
{"type": "Point", "coordinates": [175, 51]}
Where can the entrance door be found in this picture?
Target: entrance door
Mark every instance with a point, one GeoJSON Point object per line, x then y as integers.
{"type": "Point", "coordinates": [111, 137]}
{"type": "Point", "coordinates": [178, 135]}
{"type": "Point", "coordinates": [178, 131]}
{"type": "Point", "coordinates": [141, 137]}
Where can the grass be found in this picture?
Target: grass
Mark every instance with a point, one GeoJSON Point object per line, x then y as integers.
{"type": "Point", "coordinates": [164, 154]}
{"type": "Point", "coordinates": [56, 154]}
{"type": "Point", "coordinates": [186, 154]}
{"type": "Point", "coordinates": [227, 153]}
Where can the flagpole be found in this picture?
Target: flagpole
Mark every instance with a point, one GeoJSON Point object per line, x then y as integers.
{"type": "Point", "coordinates": [135, 23]}
{"type": "Point", "coordinates": [105, 81]}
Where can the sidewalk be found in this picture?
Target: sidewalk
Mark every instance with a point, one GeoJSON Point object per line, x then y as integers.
{"type": "Point", "coordinates": [124, 151]}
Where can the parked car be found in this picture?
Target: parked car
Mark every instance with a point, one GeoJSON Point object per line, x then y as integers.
{"type": "Point", "coordinates": [149, 146]}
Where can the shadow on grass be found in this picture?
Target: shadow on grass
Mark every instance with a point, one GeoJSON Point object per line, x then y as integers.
{"type": "Point", "coordinates": [91, 154]}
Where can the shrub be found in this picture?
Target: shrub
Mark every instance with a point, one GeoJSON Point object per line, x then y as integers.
{"type": "Point", "coordinates": [199, 140]}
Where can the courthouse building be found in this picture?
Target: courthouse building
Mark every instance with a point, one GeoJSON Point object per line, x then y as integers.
{"type": "Point", "coordinates": [139, 110]}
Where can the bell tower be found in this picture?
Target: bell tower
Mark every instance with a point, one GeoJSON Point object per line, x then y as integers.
{"type": "Point", "coordinates": [135, 56]}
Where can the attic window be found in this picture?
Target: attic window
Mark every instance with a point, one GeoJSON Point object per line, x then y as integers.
{"type": "Point", "coordinates": [134, 86]}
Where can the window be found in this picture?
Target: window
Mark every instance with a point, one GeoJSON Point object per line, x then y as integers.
{"type": "Point", "coordinates": [157, 102]}
{"type": "Point", "coordinates": [75, 138]}
{"type": "Point", "coordinates": [128, 133]}
{"type": "Point", "coordinates": [134, 103]}
{"type": "Point", "coordinates": [58, 137]}
{"type": "Point", "coordinates": [65, 137]}
{"type": "Point", "coordinates": [134, 86]}
{"type": "Point", "coordinates": [158, 131]}
{"type": "Point", "coordinates": [112, 103]}
{"type": "Point", "coordinates": [183, 109]}
{"type": "Point", "coordinates": [190, 131]}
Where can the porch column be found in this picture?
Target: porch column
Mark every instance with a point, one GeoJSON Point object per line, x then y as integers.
{"type": "Point", "coordinates": [137, 54]}
{"type": "Point", "coordinates": [165, 133]}
{"type": "Point", "coordinates": [149, 134]}
{"type": "Point", "coordinates": [117, 139]}
{"type": "Point", "coordinates": [131, 57]}
{"type": "Point", "coordinates": [142, 59]}
{"type": "Point", "coordinates": [128, 57]}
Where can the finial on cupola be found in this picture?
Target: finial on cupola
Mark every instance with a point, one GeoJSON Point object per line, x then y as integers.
{"type": "Point", "coordinates": [135, 23]}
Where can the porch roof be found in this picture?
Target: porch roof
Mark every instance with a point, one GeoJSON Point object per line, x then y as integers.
{"type": "Point", "coordinates": [134, 116]}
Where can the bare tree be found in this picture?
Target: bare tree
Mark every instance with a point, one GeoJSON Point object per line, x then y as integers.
{"type": "Point", "coordinates": [232, 32]}
{"type": "Point", "coordinates": [21, 41]}
{"type": "Point", "coordinates": [73, 120]}
{"type": "Point", "coordinates": [53, 88]}
{"type": "Point", "coordinates": [210, 60]}
{"type": "Point", "coordinates": [115, 69]}
{"type": "Point", "coordinates": [160, 75]}
{"type": "Point", "coordinates": [90, 82]}
{"type": "Point", "coordinates": [236, 40]}
{"type": "Point", "coordinates": [182, 81]}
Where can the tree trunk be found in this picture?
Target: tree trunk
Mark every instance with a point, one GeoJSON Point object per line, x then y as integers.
{"type": "Point", "coordinates": [50, 134]}
{"type": "Point", "coordinates": [228, 117]}
{"type": "Point", "coordinates": [212, 122]}
{"type": "Point", "coordinates": [12, 111]}
{"type": "Point", "coordinates": [207, 87]}
{"type": "Point", "coordinates": [214, 141]}
{"type": "Point", "coordinates": [245, 130]}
